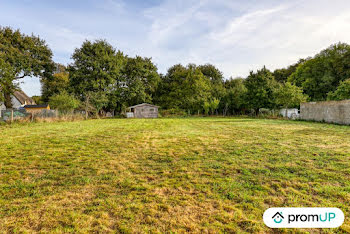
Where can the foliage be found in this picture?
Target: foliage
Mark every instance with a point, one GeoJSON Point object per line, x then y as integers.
{"type": "Point", "coordinates": [214, 104]}
{"type": "Point", "coordinates": [64, 102]}
{"type": "Point", "coordinates": [260, 89]}
{"type": "Point", "coordinates": [173, 113]}
{"type": "Point", "coordinates": [289, 95]}
{"type": "Point", "coordinates": [21, 56]}
{"type": "Point", "coordinates": [206, 107]}
{"type": "Point", "coordinates": [234, 100]}
{"type": "Point", "coordinates": [185, 88]}
{"type": "Point", "coordinates": [342, 92]}
{"type": "Point", "coordinates": [141, 80]}
{"type": "Point", "coordinates": [96, 67]}
{"type": "Point", "coordinates": [38, 100]}
{"type": "Point", "coordinates": [98, 100]}
{"type": "Point", "coordinates": [323, 73]}
{"type": "Point", "coordinates": [216, 79]}
{"type": "Point", "coordinates": [281, 75]}
{"type": "Point", "coordinates": [55, 84]}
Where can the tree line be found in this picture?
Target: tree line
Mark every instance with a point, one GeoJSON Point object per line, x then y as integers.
{"type": "Point", "coordinates": [103, 79]}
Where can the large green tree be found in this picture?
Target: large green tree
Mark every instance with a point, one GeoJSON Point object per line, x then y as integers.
{"type": "Point", "coordinates": [260, 86]}
{"type": "Point", "coordinates": [323, 73]}
{"type": "Point", "coordinates": [234, 100]}
{"type": "Point", "coordinates": [216, 79]}
{"type": "Point", "coordinates": [141, 80]}
{"type": "Point", "coordinates": [20, 56]}
{"type": "Point", "coordinates": [289, 95]}
{"type": "Point", "coordinates": [185, 88]}
{"type": "Point", "coordinates": [96, 66]}
{"type": "Point", "coordinates": [96, 69]}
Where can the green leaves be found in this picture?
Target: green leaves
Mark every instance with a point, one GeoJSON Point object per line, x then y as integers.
{"type": "Point", "coordinates": [260, 89]}
{"type": "Point", "coordinates": [20, 56]}
{"type": "Point", "coordinates": [323, 73]}
{"type": "Point", "coordinates": [289, 95]}
{"type": "Point", "coordinates": [64, 102]}
{"type": "Point", "coordinates": [342, 92]}
{"type": "Point", "coordinates": [96, 66]}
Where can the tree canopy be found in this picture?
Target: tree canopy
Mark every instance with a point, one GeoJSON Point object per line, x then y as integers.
{"type": "Point", "coordinates": [323, 73]}
{"type": "Point", "coordinates": [104, 79]}
{"type": "Point", "coordinates": [20, 56]}
{"type": "Point", "coordinates": [260, 89]}
{"type": "Point", "coordinates": [342, 92]}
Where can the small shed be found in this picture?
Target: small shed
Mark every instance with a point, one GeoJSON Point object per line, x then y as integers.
{"type": "Point", "coordinates": [36, 108]}
{"type": "Point", "coordinates": [290, 113]}
{"type": "Point", "coordinates": [143, 110]}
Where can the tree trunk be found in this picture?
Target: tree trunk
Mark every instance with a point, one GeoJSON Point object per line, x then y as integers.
{"type": "Point", "coordinates": [257, 111]}
{"type": "Point", "coordinates": [8, 101]}
{"type": "Point", "coordinates": [286, 113]}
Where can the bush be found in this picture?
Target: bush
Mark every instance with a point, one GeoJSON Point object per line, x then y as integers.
{"type": "Point", "coordinates": [64, 102]}
{"type": "Point", "coordinates": [173, 113]}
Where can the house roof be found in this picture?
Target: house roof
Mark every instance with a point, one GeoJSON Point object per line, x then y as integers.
{"type": "Point", "coordinates": [143, 104]}
{"type": "Point", "coordinates": [37, 106]}
{"type": "Point", "coordinates": [23, 98]}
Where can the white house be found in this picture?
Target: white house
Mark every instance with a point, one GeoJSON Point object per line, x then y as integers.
{"type": "Point", "coordinates": [19, 99]}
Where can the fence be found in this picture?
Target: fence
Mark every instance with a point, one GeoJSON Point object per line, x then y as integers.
{"type": "Point", "coordinates": [11, 115]}
{"type": "Point", "coordinates": [22, 114]}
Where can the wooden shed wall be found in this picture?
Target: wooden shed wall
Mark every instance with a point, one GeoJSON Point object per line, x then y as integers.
{"type": "Point", "coordinates": [146, 112]}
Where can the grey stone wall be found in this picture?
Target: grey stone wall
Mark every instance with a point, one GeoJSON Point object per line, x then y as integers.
{"type": "Point", "coordinates": [329, 111]}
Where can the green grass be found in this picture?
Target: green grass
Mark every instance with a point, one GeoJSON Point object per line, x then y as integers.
{"type": "Point", "coordinates": [195, 175]}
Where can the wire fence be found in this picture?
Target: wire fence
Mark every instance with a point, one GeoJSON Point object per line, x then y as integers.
{"type": "Point", "coordinates": [12, 115]}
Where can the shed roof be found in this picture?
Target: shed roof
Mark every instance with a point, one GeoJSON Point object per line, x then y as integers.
{"type": "Point", "coordinates": [143, 104]}
{"type": "Point", "coordinates": [37, 106]}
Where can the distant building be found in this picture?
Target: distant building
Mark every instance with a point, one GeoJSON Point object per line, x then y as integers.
{"type": "Point", "coordinates": [36, 108]}
{"type": "Point", "coordinates": [19, 99]}
{"type": "Point", "coordinates": [143, 110]}
{"type": "Point", "coordinates": [290, 113]}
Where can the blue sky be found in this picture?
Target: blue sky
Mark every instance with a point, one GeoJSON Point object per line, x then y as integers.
{"type": "Point", "coordinates": [237, 36]}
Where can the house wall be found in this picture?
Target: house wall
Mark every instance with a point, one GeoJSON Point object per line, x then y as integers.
{"type": "Point", "coordinates": [36, 110]}
{"type": "Point", "coordinates": [145, 112]}
{"type": "Point", "coordinates": [15, 103]}
{"type": "Point", "coordinates": [330, 111]}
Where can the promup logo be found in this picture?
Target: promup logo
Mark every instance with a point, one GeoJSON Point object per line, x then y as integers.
{"type": "Point", "coordinates": [278, 217]}
{"type": "Point", "coordinates": [303, 217]}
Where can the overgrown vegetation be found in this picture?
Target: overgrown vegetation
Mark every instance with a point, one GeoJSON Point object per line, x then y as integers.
{"type": "Point", "coordinates": [181, 175]}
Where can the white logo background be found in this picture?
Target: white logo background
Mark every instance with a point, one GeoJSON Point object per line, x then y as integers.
{"type": "Point", "coordinates": [333, 217]}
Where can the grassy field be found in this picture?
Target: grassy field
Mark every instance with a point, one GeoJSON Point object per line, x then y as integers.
{"type": "Point", "coordinates": [195, 175]}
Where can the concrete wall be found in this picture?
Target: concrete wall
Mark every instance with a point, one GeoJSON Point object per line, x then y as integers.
{"type": "Point", "coordinates": [330, 111]}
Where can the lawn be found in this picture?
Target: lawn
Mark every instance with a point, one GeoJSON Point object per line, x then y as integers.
{"type": "Point", "coordinates": [181, 175]}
